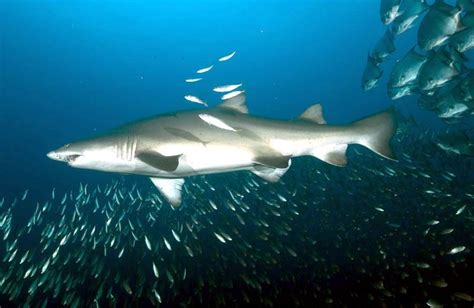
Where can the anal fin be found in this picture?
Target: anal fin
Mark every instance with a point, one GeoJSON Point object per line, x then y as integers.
{"type": "Point", "coordinates": [332, 154]}
{"type": "Point", "coordinates": [270, 174]}
{"type": "Point", "coordinates": [170, 189]}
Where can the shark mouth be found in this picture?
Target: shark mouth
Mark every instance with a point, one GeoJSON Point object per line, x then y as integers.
{"type": "Point", "coordinates": [71, 158]}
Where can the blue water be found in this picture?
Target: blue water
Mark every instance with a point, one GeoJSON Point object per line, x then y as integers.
{"type": "Point", "coordinates": [69, 69]}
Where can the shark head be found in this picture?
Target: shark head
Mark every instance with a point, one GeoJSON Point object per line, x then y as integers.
{"type": "Point", "coordinates": [106, 153]}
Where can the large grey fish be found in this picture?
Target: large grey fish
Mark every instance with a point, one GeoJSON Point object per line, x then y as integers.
{"type": "Point", "coordinates": [227, 138]}
{"type": "Point", "coordinates": [385, 46]}
{"type": "Point", "coordinates": [440, 68]}
{"type": "Point", "coordinates": [451, 106]}
{"type": "Point", "coordinates": [404, 90]}
{"type": "Point", "coordinates": [406, 70]}
{"type": "Point", "coordinates": [389, 10]}
{"type": "Point", "coordinates": [453, 100]}
{"type": "Point", "coordinates": [463, 40]}
{"type": "Point", "coordinates": [456, 143]}
{"type": "Point", "coordinates": [441, 21]}
{"type": "Point", "coordinates": [410, 10]}
{"type": "Point", "coordinates": [372, 74]}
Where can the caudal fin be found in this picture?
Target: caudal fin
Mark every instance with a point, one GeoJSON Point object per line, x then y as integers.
{"type": "Point", "coordinates": [376, 131]}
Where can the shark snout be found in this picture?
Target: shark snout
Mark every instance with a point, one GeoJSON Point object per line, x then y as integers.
{"type": "Point", "coordinates": [62, 155]}
{"type": "Point", "coordinates": [54, 156]}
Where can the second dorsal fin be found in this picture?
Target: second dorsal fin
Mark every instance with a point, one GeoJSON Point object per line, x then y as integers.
{"type": "Point", "coordinates": [313, 113]}
{"type": "Point", "coordinates": [237, 103]}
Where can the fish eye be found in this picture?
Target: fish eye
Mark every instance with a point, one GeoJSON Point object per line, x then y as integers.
{"type": "Point", "coordinates": [402, 77]}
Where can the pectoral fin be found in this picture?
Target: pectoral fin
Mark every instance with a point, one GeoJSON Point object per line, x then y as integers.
{"type": "Point", "coordinates": [158, 161]}
{"type": "Point", "coordinates": [170, 189]}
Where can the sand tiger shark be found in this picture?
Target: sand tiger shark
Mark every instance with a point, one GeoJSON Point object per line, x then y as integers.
{"type": "Point", "coordinates": [169, 147]}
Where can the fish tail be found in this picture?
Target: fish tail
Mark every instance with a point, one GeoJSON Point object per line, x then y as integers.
{"type": "Point", "coordinates": [376, 131]}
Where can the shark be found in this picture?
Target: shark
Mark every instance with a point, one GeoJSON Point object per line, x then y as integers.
{"type": "Point", "coordinates": [170, 147]}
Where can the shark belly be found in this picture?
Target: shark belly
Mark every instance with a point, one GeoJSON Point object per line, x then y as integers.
{"type": "Point", "coordinates": [200, 160]}
{"type": "Point", "coordinates": [214, 158]}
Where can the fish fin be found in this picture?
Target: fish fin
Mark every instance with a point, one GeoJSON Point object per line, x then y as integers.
{"type": "Point", "coordinates": [313, 113]}
{"type": "Point", "coordinates": [273, 161]}
{"type": "Point", "coordinates": [272, 175]}
{"type": "Point", "coordinates": [376, 131]}
{"type": "Point", "coordinates": [237, 103]}
{"type": "Point", "coordinates": [158, 161]}
{"type": "Point", "coordinates": [461, 26]}
{"type": "Point", "coordinates": [331, 154]}
{"type": "Point", "coordinates": [170, 189]}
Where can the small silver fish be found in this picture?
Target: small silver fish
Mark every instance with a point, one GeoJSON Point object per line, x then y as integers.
{"type": "Point", "coordinates": [225, 58]}
{"type": "Point", "coordinates": [204, 70]}
{"type": "Point", "coordinates": [456, 250]}
{"type": "Point", "coordinates": [215, 122]}
{"type": "Point", "coordinates": [191, 80]}
{"type": "Point", "coordinates": [227, 88]}
{"type": "Point", "coordinates": [147, 242]}
{"type": "Point", "coordinates": [231, 95]}
{"type": "Point", "coordinates": [195, 99]}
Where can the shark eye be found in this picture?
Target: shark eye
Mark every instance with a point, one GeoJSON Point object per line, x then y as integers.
{"type": "Point", "coordinates": [430, 80]}
{"type": "Point", "coordinates": [402, 77]}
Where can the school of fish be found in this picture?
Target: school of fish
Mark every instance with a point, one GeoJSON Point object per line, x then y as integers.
{"type": "Point", "coordinates": [437, 67]}
{"type": "Point", "coordinates": [378, 231]}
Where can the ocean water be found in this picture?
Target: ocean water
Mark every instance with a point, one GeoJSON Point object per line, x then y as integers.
{"type": "Point", "coordinates": [375, 233]}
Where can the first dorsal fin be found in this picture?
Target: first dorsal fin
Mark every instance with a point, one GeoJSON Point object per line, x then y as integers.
{"type": "Point", "coordinates": [314, 114]}
{"type": "Point", "coordinates": [237, 103]}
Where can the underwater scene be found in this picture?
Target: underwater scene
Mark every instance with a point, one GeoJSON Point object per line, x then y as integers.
{"type": "Point", "coordinates": [224, 153]}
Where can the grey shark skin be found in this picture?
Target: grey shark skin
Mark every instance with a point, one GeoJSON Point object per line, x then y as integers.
{"type": "Point", "coordinates": [168, 148]}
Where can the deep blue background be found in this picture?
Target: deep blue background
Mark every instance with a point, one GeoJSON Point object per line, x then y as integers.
{"type": "Point", "coordinates": [69, 68]}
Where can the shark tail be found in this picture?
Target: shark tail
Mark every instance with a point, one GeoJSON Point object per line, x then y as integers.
{"type": "Point", "coordinates": [376, 131]}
